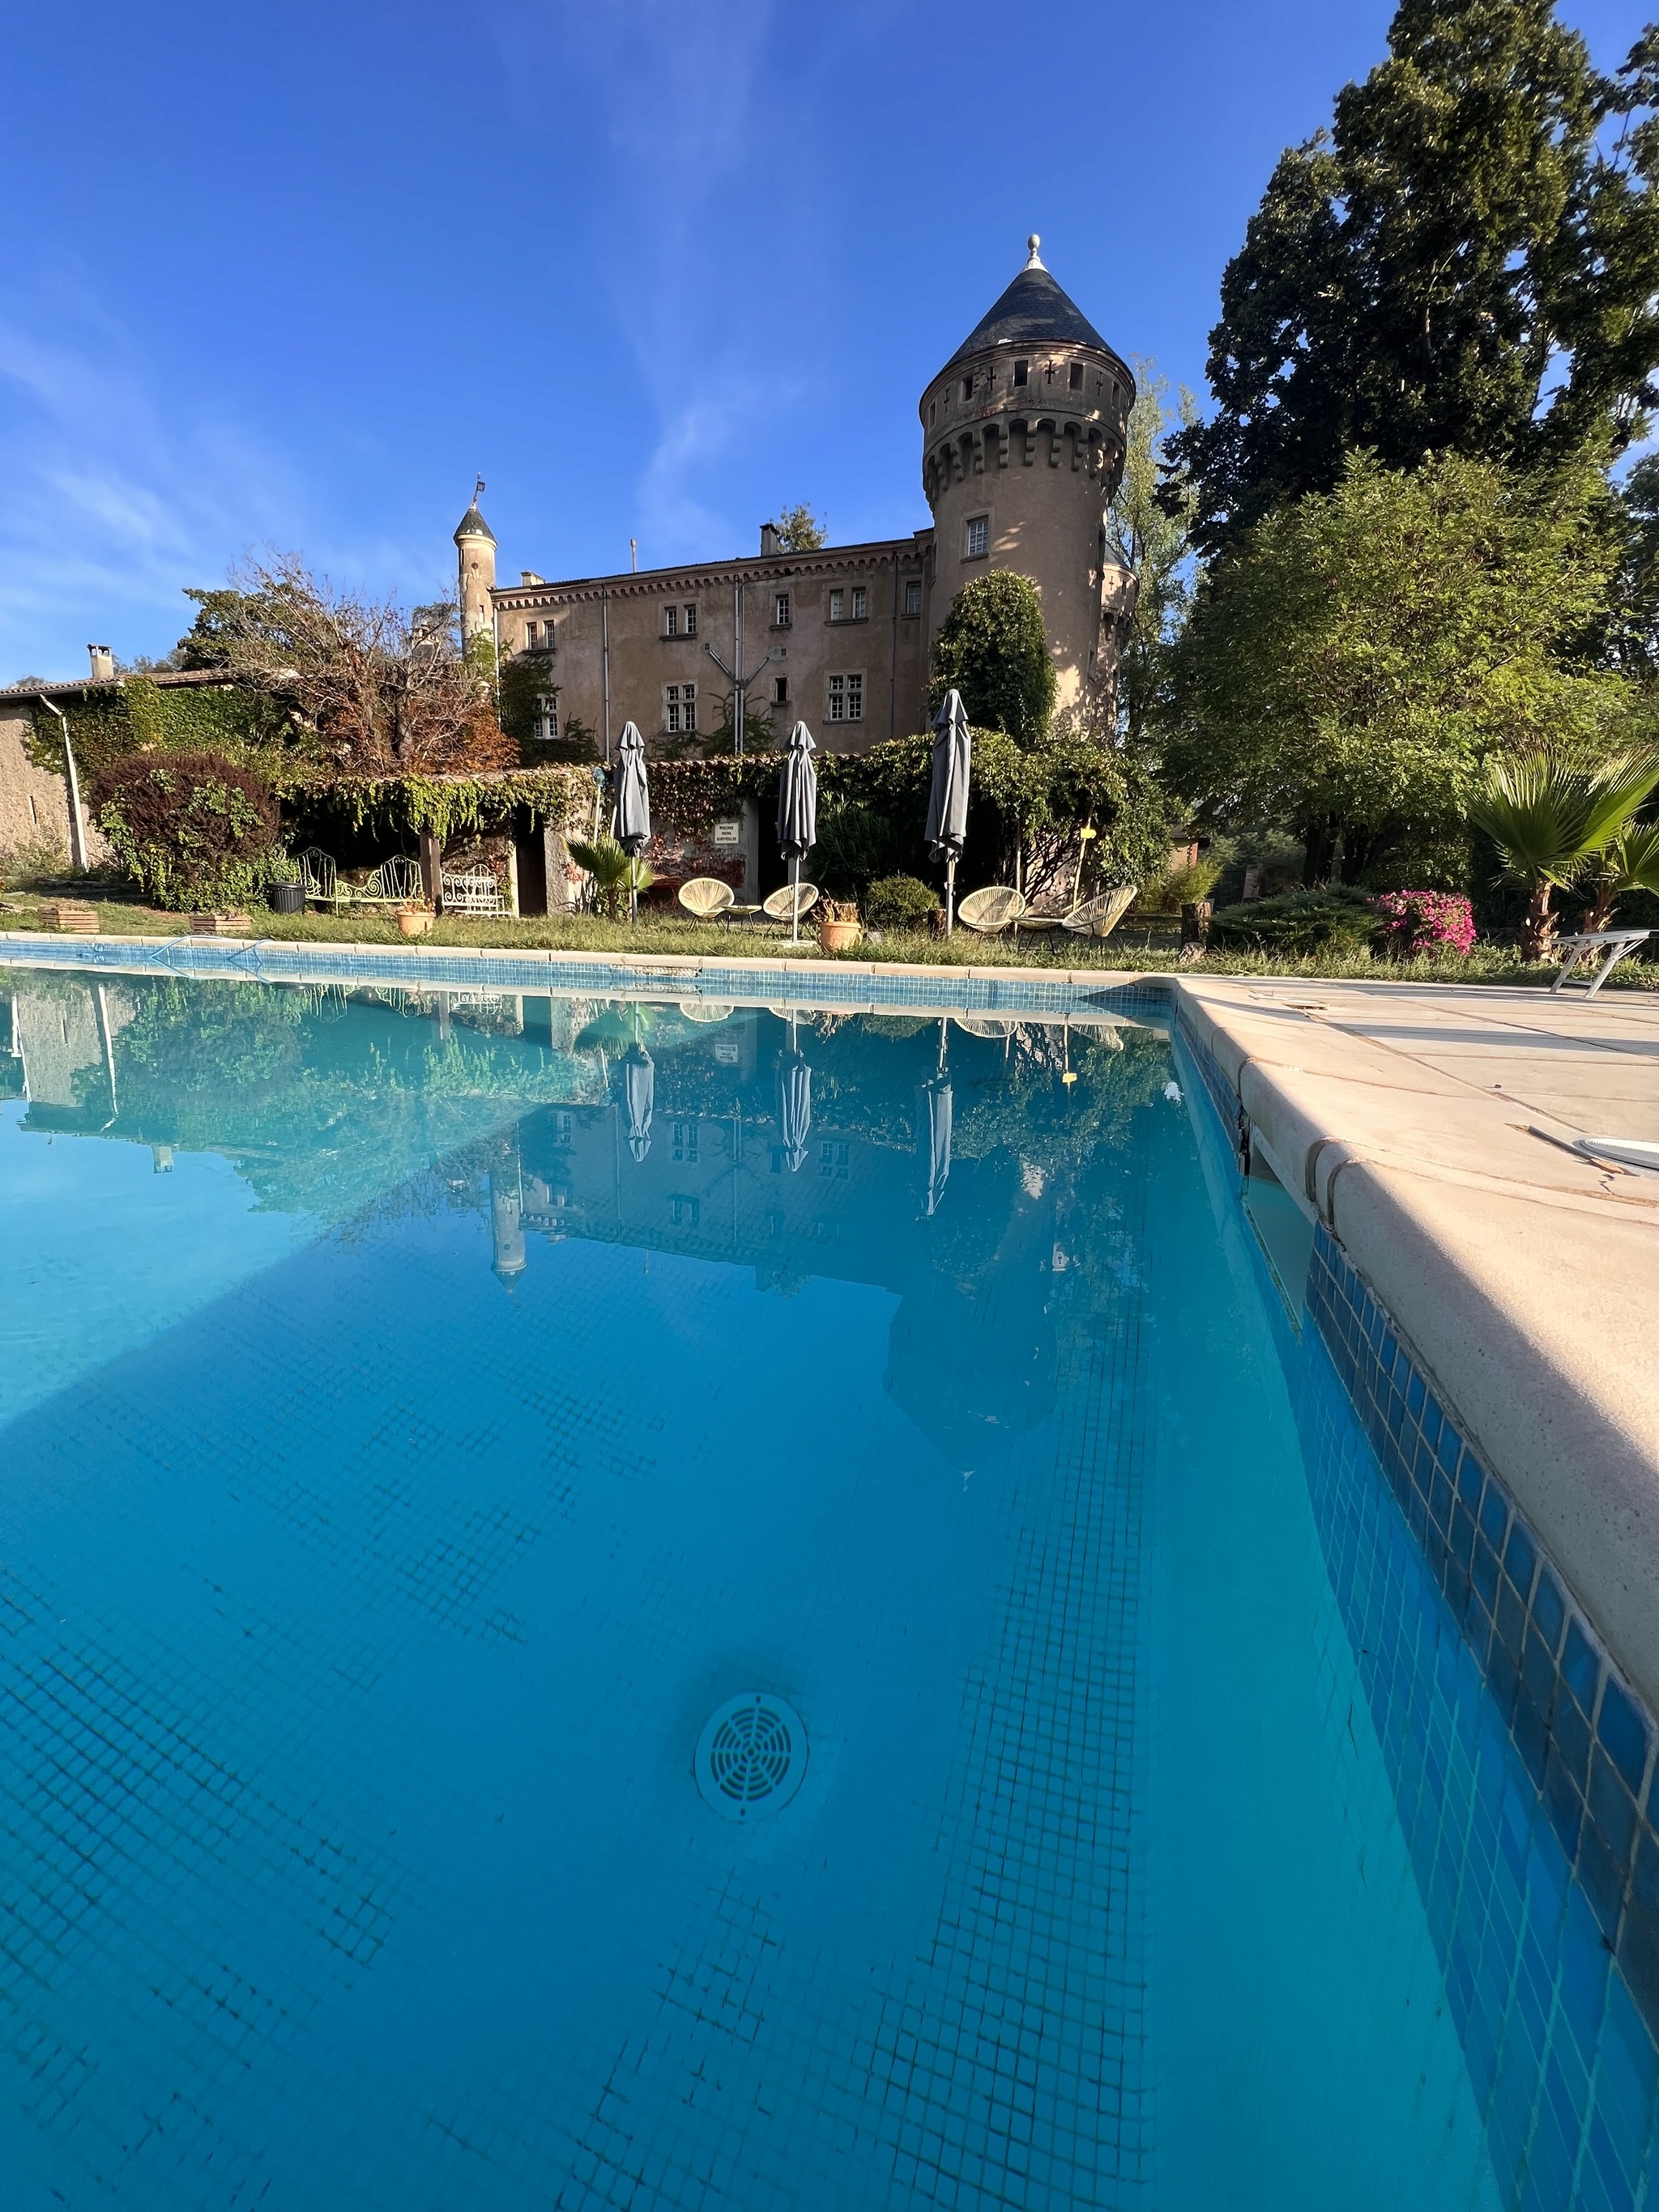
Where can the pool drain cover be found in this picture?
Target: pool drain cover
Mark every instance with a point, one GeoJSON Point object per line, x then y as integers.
{"type": "Point", "coordinates": [751, 1756]}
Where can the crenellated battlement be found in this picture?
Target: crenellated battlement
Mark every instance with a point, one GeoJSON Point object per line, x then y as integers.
{"type": "Point", "coordinates": [1026, 441]}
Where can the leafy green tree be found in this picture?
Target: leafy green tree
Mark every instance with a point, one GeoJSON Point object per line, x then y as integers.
{"type": "Point", "coordinates": [1631, 642]}
{"type": "Point", "coordinates": [1468, 262]}
{"type": "Point", "coordinates": [1349, 668]}
{"type": "Point", "coordinates": [993, 647]}
{"type": "Point", "coordinates": [1147, 529]}
{"type": "Point", "coordinates": [1554, 815]}
{"type": "Point", "coordinates": [800, 530]}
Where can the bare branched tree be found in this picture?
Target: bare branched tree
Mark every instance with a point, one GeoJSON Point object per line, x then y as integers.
{"type": "Point", "coordinates": [387, 689]}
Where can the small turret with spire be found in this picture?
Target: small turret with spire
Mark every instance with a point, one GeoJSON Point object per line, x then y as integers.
{"type": "Point", "coordinates": [474, 543]}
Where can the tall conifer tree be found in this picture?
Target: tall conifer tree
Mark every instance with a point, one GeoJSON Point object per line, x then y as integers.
{"type": "Point", "coordinates": [1468, 262]}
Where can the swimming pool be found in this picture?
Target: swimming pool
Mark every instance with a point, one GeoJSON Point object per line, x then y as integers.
{"type": "Point", "coordinates": [607, 1603]}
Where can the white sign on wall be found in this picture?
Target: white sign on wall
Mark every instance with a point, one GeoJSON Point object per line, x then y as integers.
{"type": "Point", "coordinates": [728, 833]}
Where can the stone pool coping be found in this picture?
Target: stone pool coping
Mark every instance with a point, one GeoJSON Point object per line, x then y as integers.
{"type": "Point", "coordinates": [828, 986]}
{"type": "Point", "coordinates": [1524, 1277]}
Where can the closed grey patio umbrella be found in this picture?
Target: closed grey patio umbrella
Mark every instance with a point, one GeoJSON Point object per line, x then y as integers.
{"type": "Point", "coordinates": [938, 1108]}
{"type": "Point", "coordinates": [640, 1095]}
{"type": "Point", "coordinates": [794, 1099]}
{"type": "Point", "coordinates": [947, 795]}
{"type": "Point", "coordinates": [633, 803]}
{"type": "Point", "coordinates": [798, 812]}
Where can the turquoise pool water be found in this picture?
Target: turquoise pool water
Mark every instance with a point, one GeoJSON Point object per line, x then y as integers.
{"type": "Point", "coordinates": [421, 1417]}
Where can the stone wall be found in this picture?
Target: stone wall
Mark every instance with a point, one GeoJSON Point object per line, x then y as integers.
{"type": "Point", "coordinates": [34, 801]}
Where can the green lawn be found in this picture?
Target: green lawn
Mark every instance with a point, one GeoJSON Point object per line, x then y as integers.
{"type": "Point", "coordinates": [1135, 945]}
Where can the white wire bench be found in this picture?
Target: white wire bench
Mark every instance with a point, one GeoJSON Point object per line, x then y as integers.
{"type": "Point", "coordinates": [471, 890]}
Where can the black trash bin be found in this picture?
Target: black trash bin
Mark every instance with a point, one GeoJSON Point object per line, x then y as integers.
{"type": "Point", "coordinates": [288, 898]}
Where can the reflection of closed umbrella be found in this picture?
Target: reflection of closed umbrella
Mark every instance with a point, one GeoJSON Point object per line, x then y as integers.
{"type": "Point", "coordinates": [937, 1106]}
{"type": "Point", "coordinates": [633, 802]}
{"type": "Point", "coordinates": [794, 1104]}
{"type": "Point", "coordinates": [798, 812]}
{"type": "Point", "coordinates": [947, 795]}
{"type": "Point", "coordinates": [640, 1091]}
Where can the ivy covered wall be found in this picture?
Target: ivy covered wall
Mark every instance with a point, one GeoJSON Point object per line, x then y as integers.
{"type": "Point", "coordinates": [111, 720]}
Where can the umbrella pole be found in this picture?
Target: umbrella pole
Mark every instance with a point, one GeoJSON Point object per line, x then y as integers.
{"type": "Point", "coordinates": [794, 905]}
{"type": "Point", "coordinates": [950, 894]}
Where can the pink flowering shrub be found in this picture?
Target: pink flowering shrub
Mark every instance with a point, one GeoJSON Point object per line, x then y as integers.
{"type": "Point", "coordinates": [1412, 923]}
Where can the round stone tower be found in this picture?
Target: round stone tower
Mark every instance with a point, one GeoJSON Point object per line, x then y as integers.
{"type": "Point", "coordinates": [1023, 435]}
{"type": "Point", "coordinates": [475, 544]}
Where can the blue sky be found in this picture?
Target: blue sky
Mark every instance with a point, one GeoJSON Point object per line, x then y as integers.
{"type": "Point", "coordinates": [290, 275]}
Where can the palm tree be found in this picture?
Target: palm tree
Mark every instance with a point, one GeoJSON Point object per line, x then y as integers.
{"type": "Point", "coordinates": [1554, 815]}
{"type": "Point", "coordinates": [614, 873]}
{"type": "Point", "coordinates": [1630, 863]}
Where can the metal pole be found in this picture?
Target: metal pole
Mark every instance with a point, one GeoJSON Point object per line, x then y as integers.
{"type": "Point", "coordinates": [949, 895]}
{"type": "Point", "coordinates": [794, 906]}
{"type": "Point", "coordinates": [604, 648]}
{"type": "Point", "coordinates": [77, 820]}
{"type": "Point", "coordinates": [740, 681]}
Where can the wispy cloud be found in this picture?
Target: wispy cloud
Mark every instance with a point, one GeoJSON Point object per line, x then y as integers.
{"type": "Point", "coordinates": [693, 178]}
{"type": "Point", "coordinates": [121, 490]}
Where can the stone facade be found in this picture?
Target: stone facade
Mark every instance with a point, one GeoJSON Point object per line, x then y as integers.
{"type": "Point", "coordinates": [1023, 437]}
{"type": "Point", "coordinates": [35, 804]}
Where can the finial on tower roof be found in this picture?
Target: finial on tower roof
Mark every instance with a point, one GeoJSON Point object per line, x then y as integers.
{"type": "Point", "coordinates": [478, 488]}
{"type": "Point", "coordinates": [1033, 242]}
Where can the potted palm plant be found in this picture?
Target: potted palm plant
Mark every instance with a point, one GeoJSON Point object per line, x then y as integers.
{"type": "Point", "coordinates": [614, 873]}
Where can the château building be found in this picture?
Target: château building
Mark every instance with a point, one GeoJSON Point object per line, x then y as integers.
{"type": "Point", "coordinates": [1022, 440]}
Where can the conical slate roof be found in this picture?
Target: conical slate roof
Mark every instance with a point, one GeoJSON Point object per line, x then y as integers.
{"type": "Point", "coordinates": [1033, 310]}
{"type": "Point", "coordinates": [472, 525]}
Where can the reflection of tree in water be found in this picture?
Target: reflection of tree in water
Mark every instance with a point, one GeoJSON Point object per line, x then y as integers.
{"type": "Point", "coordinates": [1035, 1115]}
{"type": "Point", "coordinates": [376, 1106]}
{"type": "Point", "coordinates": [325, 1104]}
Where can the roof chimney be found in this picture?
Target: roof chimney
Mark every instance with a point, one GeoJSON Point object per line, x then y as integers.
{"type": "Point", "coordinates": [103, 664]}
{"type": "Point", "coordinates": [770, 546]}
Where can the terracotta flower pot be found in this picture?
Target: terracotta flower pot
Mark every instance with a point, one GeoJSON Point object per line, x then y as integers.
{"type": "Point", "coordinates": [414, 925]}
{"type": "Point", "coordinates": [839, 936]}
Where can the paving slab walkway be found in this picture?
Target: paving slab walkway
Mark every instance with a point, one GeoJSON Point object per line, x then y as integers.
{"type": "Point", "coordinates": [1590, 1065]}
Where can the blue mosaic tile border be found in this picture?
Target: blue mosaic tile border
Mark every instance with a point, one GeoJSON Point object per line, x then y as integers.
{"type": "Point", "coordinates": [798, 986]}
{"type": "Point", "coordinates": [1563, 2066]}
{"type": "Point", "coordinates": [1580, 1729]}
{"type": "Point", "coordinates": [1523, 1762]}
